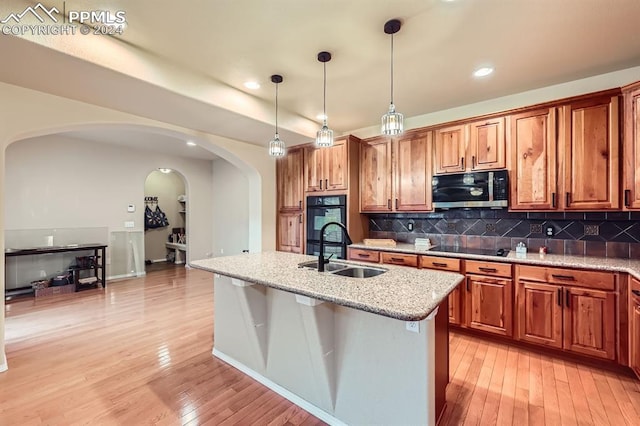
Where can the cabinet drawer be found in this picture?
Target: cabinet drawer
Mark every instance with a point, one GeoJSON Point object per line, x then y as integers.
{"type": "Point", "coordinates": [572, 277]}
{"type": "Point", "coordinates": [444, 263]}
{"type": "Point", "coordinates": [364, 255]}
{"type": "Point", "coordinates": [488, 268]}
{"type": "Point", "coordinates": [400, 259]}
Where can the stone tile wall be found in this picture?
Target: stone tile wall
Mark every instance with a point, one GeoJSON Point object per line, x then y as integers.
{"type": "Point", "coordinates": [605, 234]}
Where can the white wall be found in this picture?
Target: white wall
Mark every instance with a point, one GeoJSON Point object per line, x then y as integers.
{"type": "Point", "coordinates": [230, 208]}
{"type": "Point", "coordinates": [166, 187]}
{"type": "Point", "coordinates": [58, 182]}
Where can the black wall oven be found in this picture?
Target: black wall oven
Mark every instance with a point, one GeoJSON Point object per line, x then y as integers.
{"type": "Point", "coordinates": [321, 210]}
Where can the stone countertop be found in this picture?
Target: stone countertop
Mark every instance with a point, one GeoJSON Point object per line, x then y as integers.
{"type": "Point", "coordinates": [407, 294]}
{"type": "Point", "coordinates": [630, 266]}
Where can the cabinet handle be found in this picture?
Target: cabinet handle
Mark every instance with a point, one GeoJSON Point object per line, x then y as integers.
{"type": "Point", "coordinates": [494, 270]}
{"type": "Point", "coordinates": [462, 163]}
{"type": "Point", "coordinates": [468, 288]}
{"type": "Point", "coordinates": [320, 184]}
{"type": "Point", "coordinates": [566, 298]}
{"type": "Point", "coordinates": [300, 204]}
{"type": "Point", "coordinates": [553, 199]}
{"type": "Point", "coordinates": [326, 184]}
{"type": "Point", "coordinates": [397, 259]}
{"type": "Point", "coordinates": [563, 277]}
{"type": "Point", "coordinates": [389, 203]}
{"type": "Point", "coordinates": [568, 199]}
{"type": "Point", "coordinates": [627, 193]}
{"type": "Point", "coordinates": [396, 204]}
{"type": "Point", "coordinates": [364, 255]}
{"type": "Point", "coordinates": [439, 264]}
{"type": "Point", "coordinates": [636, 292]}
{"type": "Point", "coordinates": [473, 162]}
{"type": "Point", "coordinates": [300, 218]}
{"type": "Point", "coordinates": [559, 297]}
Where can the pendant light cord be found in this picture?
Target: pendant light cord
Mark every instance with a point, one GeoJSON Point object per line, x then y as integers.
{"type": "Point", "coordinates": [324, 96]}
{"type": "Point", "coordinates": [391, 69]}
{"type": "Point", "coordinates": [276, 109]}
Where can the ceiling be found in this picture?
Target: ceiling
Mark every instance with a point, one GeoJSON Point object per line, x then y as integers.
{"type": "Point", "coordinates": [216, 46]}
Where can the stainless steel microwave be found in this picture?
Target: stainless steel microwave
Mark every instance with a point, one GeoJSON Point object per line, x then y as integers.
{"type": "Point", "coordinates": [476, 189]}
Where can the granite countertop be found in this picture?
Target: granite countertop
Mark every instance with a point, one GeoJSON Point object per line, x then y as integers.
{"type": "Point", "coordinates": [407, 294]}
{"type": "Point", "coordinates": [630, 266]}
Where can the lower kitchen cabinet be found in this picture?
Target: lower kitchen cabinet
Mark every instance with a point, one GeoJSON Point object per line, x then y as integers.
{"type": "Point", "coordinates": [488, 303]}
{"type": "Point", "coordinates": [455, 297]}
{"type": "Point", "coordinates": [566, 309]}
{"type": "Point", "coordinates": [290, 227]}
{"type": "Point", "coordinates": [634, 326]}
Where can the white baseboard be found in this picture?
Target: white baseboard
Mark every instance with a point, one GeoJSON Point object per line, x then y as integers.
{"type": "Point", "coordinates": [300, 402]}
{"type": "Point", "coordinates": [164, 259]}
{"type": "Point", "coordinates": [125, 276]}
{"type": "Point", "coordinates": [4, 366]}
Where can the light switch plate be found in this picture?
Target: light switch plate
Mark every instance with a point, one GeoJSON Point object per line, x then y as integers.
{"type": "Point", "coordinates": [129, 224]}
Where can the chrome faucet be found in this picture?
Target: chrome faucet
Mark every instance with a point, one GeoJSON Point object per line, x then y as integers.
{"type": "Point", "coordinates": [321, 260]}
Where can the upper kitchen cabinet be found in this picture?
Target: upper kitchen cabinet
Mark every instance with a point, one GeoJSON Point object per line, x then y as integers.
{"type": "Point", "coordinates": [327, 169]}
{"type": "Point", "coordinates": [375, 174]}
{"type": "Point", "coordinates": [631, 166]}
{"type": "Point", "coordinates": [590, 141]}
{"type": "Point", "coordinates": [532, 138]}
{"type": "Point", "coordinates": [290, 180]}
{"type": "Point", "coordinates": [449, 149]}
{"type": "Point", "coordinates": [395, 173]}
{"type": "Point", "coordinates": [475, 146]}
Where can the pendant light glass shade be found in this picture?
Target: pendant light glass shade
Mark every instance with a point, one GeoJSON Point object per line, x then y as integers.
{"type": "Point", "coordinates": [276, 146]}
{"type": "Point", "coordinates": [324, 137]}
{"type": "Point", "coordinates": [392, 121]}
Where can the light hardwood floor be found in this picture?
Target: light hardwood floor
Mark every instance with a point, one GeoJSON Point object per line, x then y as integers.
{"type": "Point", "coordinates": [141, 354]}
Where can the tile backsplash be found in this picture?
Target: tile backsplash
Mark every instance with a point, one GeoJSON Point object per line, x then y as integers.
{"type": "Point", "coordinates": [605, 234]}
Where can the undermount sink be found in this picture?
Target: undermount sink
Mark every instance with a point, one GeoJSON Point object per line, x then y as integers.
{"type": "Point", "coordinates": [345, 270]}
{"type": "Point", "coordinates": [359, 272]}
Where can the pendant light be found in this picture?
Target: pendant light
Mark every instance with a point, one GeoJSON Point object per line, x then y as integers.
{"type": "Point", "coordinates": [324, 137]}
{"type": "Point", "coordinates": [276, 146]}
{"type": "Point", "coordinates": [392, 121]}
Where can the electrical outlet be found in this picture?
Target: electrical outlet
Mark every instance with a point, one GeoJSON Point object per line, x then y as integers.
{"type": "Point", "coordinates": [549, 231]}
{"type": "Point", "coordinates": [413, 326]}
{"type": "Point", "coordinates": [129, 224]}
{"type": "Point", "coordinates": [410, 226]}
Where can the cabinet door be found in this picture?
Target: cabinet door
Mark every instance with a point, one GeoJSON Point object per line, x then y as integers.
{"type": "Point", "coordinates": [313, 169]}
{"type": "Point", "coordinates": [290, 232]}
{"type": "Point", "coordinates": [632, 149]}
{"type": "Point", "coordinates": [590, 322]}
{"type": "Point", "coordinates": [486, 144]}
{"type": "Point", "coordinates": [539, 313]}
{"type": "Point", "coordinates": [634, 343]}
{"type": "Point", "coordinates": [449, 149]}
{"type": "Point", "coordinates": [488, 304]}
{"type": "Point", "coordinates": [335, 170]}
{"type": "Point", "coordinates": [455, 308]}
{"type": "Point", "coordinates": [590, 140]}
{"type": "Point", "coordinates": [375, 175]}
{"type": "Point", "coordinates": [289, 172]}
{"type": "Point", "coordinates": [412, 173]}
{"type": "Point", "coordinates": [532, 139]}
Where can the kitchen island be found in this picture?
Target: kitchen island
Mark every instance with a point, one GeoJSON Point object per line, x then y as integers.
{"type": "Point", "coordinates": [349, 350]}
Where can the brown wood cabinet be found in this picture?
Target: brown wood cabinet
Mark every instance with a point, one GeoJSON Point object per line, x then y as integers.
{"type": "Point", "coordinates": [455, 297]}
{"type": "Point", "coordinates": [634, 326]}
{"type": "Point", "coordinates": [479, 145]}
{"type": "Point", "coordinates": [290, 228]}
{"type": "Point", "coordinates": [375, 175]}
{"type": "Point", "coordinates": [532, 175]}
{"type": "Point", "coordinates": [569, 309]}
{"type": "Point", "coordinates": [590, 141]}
{"type": "Point", "coordinates": [290, 180]}
{"type": "Point", "coordinates": [488, 299]}
{"type": "Point", "coordinates": [363, 255]}
{"type": "Point", "coordinates": [400, 259]}
{"type": "Point", "coordinates": [395, 173]}
{"type": "Point", "coordinates": [327, 169]}
{"type": "Point", "coordinates": [631, 166]}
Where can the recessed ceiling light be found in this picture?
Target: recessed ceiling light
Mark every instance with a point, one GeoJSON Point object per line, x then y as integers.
{"type": "Point", "coordinates": [253, 85]}
{"type": "Point", "coordinates": [164, 170]}
{"type": "Point", "coordinates": [189, 143]}
{"type": "Point", "coordinates": [321, 117]}
{"type": "Point", "coordinates": [483, 72]}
